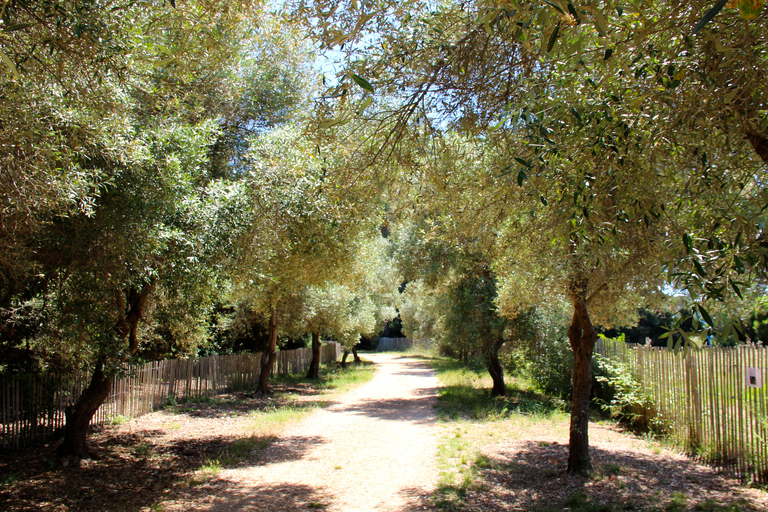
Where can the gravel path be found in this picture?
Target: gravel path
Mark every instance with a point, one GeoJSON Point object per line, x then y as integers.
{"type": "Point", "coordinates": [374, 449]}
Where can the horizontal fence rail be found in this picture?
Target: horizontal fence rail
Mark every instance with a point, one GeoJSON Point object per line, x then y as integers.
{"type": "Point", "coordinates": [32, 406]}
{"type": "Point", "coordinates": [711, 402]}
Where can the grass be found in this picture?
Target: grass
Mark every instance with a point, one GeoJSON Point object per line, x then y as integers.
{"type": "Point", "coordinates": [117, 420]}
{"type": "Point", "coordinates": [334, 378]}
{"type": "Point", "coordinates": [242, 448]}
{"type": "Point", "coordinates": [210, 469]}
{"type": "Point", "coordinates": [477, 419]}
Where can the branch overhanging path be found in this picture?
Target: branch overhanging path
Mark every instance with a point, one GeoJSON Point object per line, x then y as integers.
{"type": "Point", "coordinates": [372, 449]}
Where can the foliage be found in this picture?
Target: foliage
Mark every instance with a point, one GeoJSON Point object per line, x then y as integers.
{"type": "Point", "coordinates": [629, 402]}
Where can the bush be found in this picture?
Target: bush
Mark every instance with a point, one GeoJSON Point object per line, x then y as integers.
{"type": "Point", "coordinates": [628, 402]}
{"type": "Point", "coordinates": [550, 367]}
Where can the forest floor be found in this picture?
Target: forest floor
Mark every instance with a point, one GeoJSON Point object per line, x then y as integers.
{"type": "Point", "coordinates": [388, 444]}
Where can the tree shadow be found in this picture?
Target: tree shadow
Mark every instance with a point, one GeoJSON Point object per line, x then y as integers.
{"type": "Point", "coordinates": [133, 471]}
{"type": "Point", "coordinates": [283, 497]}
{"type": "Point", "coordinates": [532, 476]}
{"type": "Point", "coordinates": [410, 410]}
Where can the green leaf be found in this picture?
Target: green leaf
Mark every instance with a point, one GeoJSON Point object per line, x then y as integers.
{"type": "Point", "coordinates": [553, 38]}
{"type": "Point", "coordinates": [576, 115]}
{"type": "Point", "coordinates": [365, 105]}
{"type": "Point", "coordinates": [699, 269]}
{"type": "Point", "coordinates": [705, 315]}
{"type": "Point", "coordinates": [521, 177]}
{"type": "Point", "coordinates": [736, 288]}
{"type": "Point", "coordinates": [738, 265]}
{"type": "Point", "coordinates": [543, 200]}
{"type": "Point", "coordinates": [560, 9]}
{"type": "Point", "coordinates": [688, 243]}
{"type": "Point", "coordinates": [362, 82]}
{"type": "Point", "coordinates": [709, 16]}
{"type": "Point", "coordinates": [600, 24]}
{"type": "Point", "coordinates": [572, 10]}
{"type": "Point", "coordinates": [8, 62]}
{"type": "Point", "coordinates": [608, 53]}
{"type": "Point", "coordinates": [522, 161]}
{"type": "Point", "coordinates": [17, 26]}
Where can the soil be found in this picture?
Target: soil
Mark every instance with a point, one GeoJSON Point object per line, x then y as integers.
{"type": "Point", "coordinates": [373, 448]}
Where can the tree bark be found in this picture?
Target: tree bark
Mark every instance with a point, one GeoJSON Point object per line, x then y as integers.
{"type": "Point", "coordinates": [759, 143]}
{"type": "Point", "coordinates": [133, 304]}
{"type": "Point", "coordinates": [314, 366]}
{"type": "Point", "coordinates": [79, 415]}
{"type": "Point", "coordinates": [269, 355]}
{"type": "Point", "coordinates": [357, 357]}
{"type": "Point", "coordinates": [582, 336]}
{"type": "Point", "coordinates": [495, 368]}
{"type": "Point", "coordinates": [344, 358]}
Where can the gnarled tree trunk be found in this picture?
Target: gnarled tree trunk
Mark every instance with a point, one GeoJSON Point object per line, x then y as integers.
{"type": "Point", "coordinates": [79, 415]}
{"type": "Point", "coordinates": [356, 357]}
{"type": "Point", "coordinates": [344, 359]}
{"type": "Point", "coordinates": [314, 366]}
{"type": "Point", "coordinates": [269, 355]}
{"type": "Point", "coordinates": [495, 369]}
{"type": "Point", "coordinates": [582, 336]}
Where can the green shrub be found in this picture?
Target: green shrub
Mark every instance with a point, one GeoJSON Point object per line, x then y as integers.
{"type": "Point", "coordinates": [628, 401]}
{"type": "Point", "coordinates": [550, 366]}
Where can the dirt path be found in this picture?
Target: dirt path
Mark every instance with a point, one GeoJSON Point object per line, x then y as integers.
{"type": "Point", "coordinates": [373, 449]}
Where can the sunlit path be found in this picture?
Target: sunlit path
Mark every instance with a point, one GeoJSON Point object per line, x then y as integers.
{"type": "Point", "coordinates": [373, 449]}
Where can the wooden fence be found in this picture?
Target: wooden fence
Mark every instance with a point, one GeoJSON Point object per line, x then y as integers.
{"type": "Point", "coordinates": [397, 344]}
{"type": "Point", "coordinates": [711, 402]}
{"type": "Point", "coordinates": [32, 406]}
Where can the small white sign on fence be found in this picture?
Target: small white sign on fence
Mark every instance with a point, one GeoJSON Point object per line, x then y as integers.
{"type": "Point", "coordinates": [754, 378]}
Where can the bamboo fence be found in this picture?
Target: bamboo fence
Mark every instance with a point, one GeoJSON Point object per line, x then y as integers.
{"type": "Point", "coordinates": [32, 406]}
{"type": "Point", "coordinates": [711, 402]}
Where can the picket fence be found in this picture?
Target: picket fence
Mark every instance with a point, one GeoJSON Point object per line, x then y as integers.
{"type": "Point", "coordinates": [32, 406]}
{"type": "Point", "coordinates": [711, 402]}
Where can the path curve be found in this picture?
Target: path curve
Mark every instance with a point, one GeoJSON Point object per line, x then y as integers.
{"type": "Point", "coordinates": [373, 449]}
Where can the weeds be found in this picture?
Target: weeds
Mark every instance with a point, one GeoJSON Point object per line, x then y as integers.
{"type": "Point", "coordinates": [117, 420]}
{"type": "Point", "coordinates": [8, 479]}
{"type": "Point", "coordinates": [242, 448]}
{"type": "Point", "coordinates": [210, 469]}
{"type": "Point", "coordinates": [143, 450]}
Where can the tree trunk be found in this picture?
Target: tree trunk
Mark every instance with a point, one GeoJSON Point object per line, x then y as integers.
{"type": "Point", "coordinates": [133, 304]}
{"type": "Point", "coordinates": [79, 415]}
{"type": "Point", "coordinates": [268, 356]}
{"type": "Point", "coordinates": [582, 336]}
{"type": "Point", "coordinates": [357, 357]}
{"type": "Point", "coordinates": [495, 368]}
{"type": "Point", "coordinates": [314, 366]}
{"type": "Point", "coordinates": [759, 143]}
{"type": "Point", "coordinates": [344, 358]}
